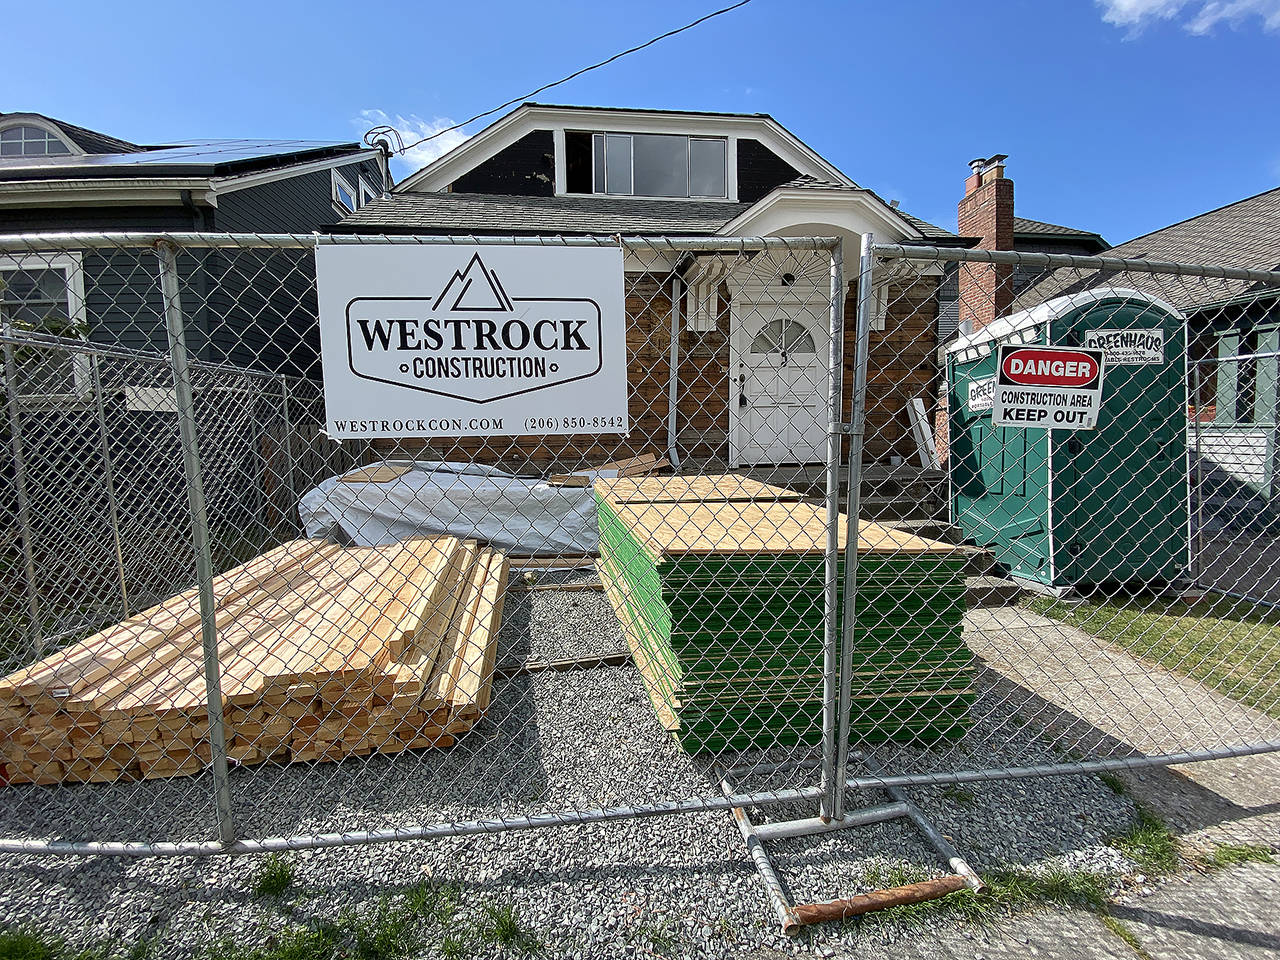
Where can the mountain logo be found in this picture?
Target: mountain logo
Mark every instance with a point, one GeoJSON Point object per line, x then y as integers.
{"type": "Point", "coordinates": [473, 341]}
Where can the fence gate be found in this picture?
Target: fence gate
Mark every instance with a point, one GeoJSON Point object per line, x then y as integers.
{"type": "Point", "coordinates": [227, 631]}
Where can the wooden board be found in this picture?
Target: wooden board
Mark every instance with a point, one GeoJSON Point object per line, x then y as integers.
{"type": "Point", "coordinates": [325, 651]}
{"type": "Point", "coordinates": [380, 473]}
{"type": "Point", "coordinates": [703, 488]}
{"type": "Point", "coordinates": [751, 528]}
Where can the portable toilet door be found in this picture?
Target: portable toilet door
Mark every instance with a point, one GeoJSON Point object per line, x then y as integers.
{"type": "Point", "coordinates": [1064, 508]}
{"type": "Point", "coordinates": [1124, 507]}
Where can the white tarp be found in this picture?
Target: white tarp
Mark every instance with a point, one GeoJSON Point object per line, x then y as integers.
{"type": "Point", "coordinates": [520, 515]}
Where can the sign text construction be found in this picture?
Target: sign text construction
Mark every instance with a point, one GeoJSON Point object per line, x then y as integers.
{"type": "Point", "coordinates": [443, 340]}
{"type": "Point", "coordinates": [1052, 387]}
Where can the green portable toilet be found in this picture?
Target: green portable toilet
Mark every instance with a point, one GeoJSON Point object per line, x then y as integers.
{"type": "Point", "coordinates": [1065, 508]}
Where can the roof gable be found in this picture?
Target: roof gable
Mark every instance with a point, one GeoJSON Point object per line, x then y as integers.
{"type": "Point", "coordinates": [443, 171]}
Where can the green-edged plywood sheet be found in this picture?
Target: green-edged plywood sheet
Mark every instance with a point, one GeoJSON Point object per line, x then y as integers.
{"type": "Point", "coordinates": [719, 586]}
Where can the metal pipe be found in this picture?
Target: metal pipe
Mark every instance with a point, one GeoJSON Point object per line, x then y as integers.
{"type": "Point", "coordinates": [807, 913]}
{"type": "Point", "coordinates": [673, 376]}
{"type": "Point", "coordinates": [830, 807]}
{"type": "Point", "coordinates": [857, 427]}
{"type": "Point", "coordinates": [309, 241]}
{"type": "Point", "coordinates": [108, 467]}
{"type": "Point", "coordinates": [764, 866]}
{"type": "Point", "coordinates": [24, 499]}
{"type": "Point", "coordinates": [786, 829]}
{"type": "Point", "coordinates": [288, 445]}
{"type": "Point", "coordinates": [198, 848]}
{"type": "Point", "coordinates": [1199, 565]}
{"type": "Point", "coordinates": [168, 257]}
{"type": "Point", "coordinates": [895, 251]}
{"type": "Point", "coordinates": [571, 817]}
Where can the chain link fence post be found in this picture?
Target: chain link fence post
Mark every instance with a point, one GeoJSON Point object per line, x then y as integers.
{"type": "Point", "coordinates": [857, 422]}
{"type": "Point", "coordinates": [168, 256]}
{"type": "Point", "coordinates": [831, 807]}
{"type": "Point", "coordinates": [23, 495]}
{"type": "Point", "coordinates": [109, 479]}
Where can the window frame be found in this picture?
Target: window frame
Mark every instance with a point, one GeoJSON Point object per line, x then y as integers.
{"type": "Point", "coordinates": [365, 188]}
{"type": "Point", "coordinates": [335, 178]}
{"type": "Point", "coordinates": [50, 133]}
{"type": "Point", "coordinates": [71, 263]}
{"type": "Point", "coordinates": [601, 137]}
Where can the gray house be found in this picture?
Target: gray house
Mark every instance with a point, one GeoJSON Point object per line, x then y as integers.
{"type": "Point", "coordinates": [56, 176]}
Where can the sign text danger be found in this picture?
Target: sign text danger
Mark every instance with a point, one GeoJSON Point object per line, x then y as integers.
{"type": "Point", "coordinates": [1052, 387]}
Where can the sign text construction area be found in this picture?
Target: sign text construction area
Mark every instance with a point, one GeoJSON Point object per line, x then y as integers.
{"type": "Point", "coordinates": [443, 340]}
{"type": "Point", "coordinates": [1054, 387]}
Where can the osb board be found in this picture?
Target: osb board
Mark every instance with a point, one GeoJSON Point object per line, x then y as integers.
{"type": "Point", "coordinates": [752, 528]}
{"type": "Point", "coordinates": [705, 488]}
{"type": "Point", "coordinates": [382, 473]}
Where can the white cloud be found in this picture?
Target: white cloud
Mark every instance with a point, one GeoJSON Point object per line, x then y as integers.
{"type": "Point", "coordinates": [1195, 16]}
{"type": "Point", "coordinates": [412, 129]}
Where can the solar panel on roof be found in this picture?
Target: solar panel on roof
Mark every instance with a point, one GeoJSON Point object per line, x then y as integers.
{"type": "Point", "coordinates": [205, 154]}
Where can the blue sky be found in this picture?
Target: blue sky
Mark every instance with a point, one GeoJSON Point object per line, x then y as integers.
{"type": "Point", "coordinates": [1119, 116]}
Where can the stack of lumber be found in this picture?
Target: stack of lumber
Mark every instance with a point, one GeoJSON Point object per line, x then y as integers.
{"type": "Point", "coordinates": [718, 582]}
{"type": "Point", "coordinates": [325, 652]}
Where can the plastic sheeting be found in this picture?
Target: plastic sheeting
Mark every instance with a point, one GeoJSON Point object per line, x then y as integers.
{"type": "Point", "coordinates": [519, 515]}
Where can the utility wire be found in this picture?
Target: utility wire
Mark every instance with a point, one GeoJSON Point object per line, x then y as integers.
{"type": "Point", "coordinates": [387, 130]}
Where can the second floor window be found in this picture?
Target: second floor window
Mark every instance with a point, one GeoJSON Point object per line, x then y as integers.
{"type": "Point", "coordinates": [657, 165]}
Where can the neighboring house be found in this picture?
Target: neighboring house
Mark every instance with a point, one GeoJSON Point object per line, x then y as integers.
{"type": "Point", "coordinates": [56, 177]}
{"type": "Point", "coordinates": [564, 171]}
{"type": "Point", "coordinates": [1234, 337]}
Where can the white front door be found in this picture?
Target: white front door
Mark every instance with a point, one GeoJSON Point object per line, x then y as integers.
{"type": "Point", "coordinates": [778, 392]}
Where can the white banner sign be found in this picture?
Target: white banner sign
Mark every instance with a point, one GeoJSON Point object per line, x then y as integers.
{"type": "Point", "coordinates": [980, 394]}
{"type": "Point", "coordinates": [1128, 347]}
{"type": "Point", "coordinates": [1052, 387]}
{"type": "Point", "coordinates": [437, 340]}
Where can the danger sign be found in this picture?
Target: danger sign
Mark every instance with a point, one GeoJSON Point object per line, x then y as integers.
{"type": "Point", "coordinates": [1051, 387]}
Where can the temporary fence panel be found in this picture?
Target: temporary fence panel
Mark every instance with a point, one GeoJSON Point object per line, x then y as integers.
{"type": "Point", "coordinates": [770, 603]}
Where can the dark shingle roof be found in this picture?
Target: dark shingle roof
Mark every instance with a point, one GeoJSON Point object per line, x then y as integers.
{"type": "Point", "coordinates": [483, 213]}
{"type": "Point", "coordinates": [90, 141]}
{"type": "Point", "coordinates": [1040, 228]}
{"type": "Point", "coordinates": [1242, 234]}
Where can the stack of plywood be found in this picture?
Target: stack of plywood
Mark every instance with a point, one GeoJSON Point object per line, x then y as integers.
{"type": "Point", "coordinates": [719, 582]}
{"type": "Point", "coordinates": [325, 652]}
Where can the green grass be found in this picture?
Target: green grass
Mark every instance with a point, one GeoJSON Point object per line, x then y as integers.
{"type": "Point", "coordinates": [1121, 930]}
{"type": "Point", "coordinates": [1230, 645]}
{"type": "Point", "coordinates": [1235, 854]}
{"type": "Point", "coordinates": [1009, 890]}
{"type": "Point", "coordinates": [273, 877]}
{"type": "Point", "coordinates": [502, 926]}
{"type": "Point", "coordinates": [1115, 782]}
{"type": "Point", "coordinates": [1150, 844]}
{"type": "Point", "coordinates": [28, 945]}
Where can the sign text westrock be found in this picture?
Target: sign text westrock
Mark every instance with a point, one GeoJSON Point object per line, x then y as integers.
{"type": "Point", "coordinates": [444, 340]}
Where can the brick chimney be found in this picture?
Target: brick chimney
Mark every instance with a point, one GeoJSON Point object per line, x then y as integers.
{"type": "Point", "coordinates": [986, 212]}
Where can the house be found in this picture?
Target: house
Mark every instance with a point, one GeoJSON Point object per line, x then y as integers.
{"type": "Point", "coordinates": [721, 396]}
{"type": "Point", "coordinates": [1234, 342]}
{"type": "Point", "coordinates": [56, 177]}
{"type": "Point", "coordinates": [972, 295]}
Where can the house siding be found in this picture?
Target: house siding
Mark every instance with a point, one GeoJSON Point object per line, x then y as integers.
{"type": "Point", "coordinates": [902, 366]}
{"type": "Point", "coordinates": [760, 170]}
{"type": "Point", "coordinates": [526, 168]}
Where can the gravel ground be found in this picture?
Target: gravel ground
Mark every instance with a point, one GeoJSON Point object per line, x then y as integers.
{"type": "Point", "coordinates": [682, 885]}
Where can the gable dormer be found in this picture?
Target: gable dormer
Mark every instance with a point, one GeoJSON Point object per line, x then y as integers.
{"type": "Point", "coordinates": [548, 151]}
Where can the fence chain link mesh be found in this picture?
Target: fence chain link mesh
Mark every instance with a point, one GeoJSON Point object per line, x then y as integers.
{"type": "Point", "coordinates": [425, 637]}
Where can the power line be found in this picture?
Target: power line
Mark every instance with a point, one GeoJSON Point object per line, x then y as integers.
{"type": "Point", "coordinates": [389, 131]}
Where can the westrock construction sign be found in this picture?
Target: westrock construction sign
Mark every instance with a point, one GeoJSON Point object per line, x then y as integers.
{"type": "Point", "coordinates": [438, 340]}
{"type": "Point", "coordinates": [1053, 387]}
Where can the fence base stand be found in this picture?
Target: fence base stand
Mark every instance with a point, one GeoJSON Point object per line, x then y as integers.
{"type": "Point", "coordinates": [793, 916]}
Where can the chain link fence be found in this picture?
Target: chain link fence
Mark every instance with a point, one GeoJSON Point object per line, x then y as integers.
{"type": "Point", "coordinates": [224, 631]}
